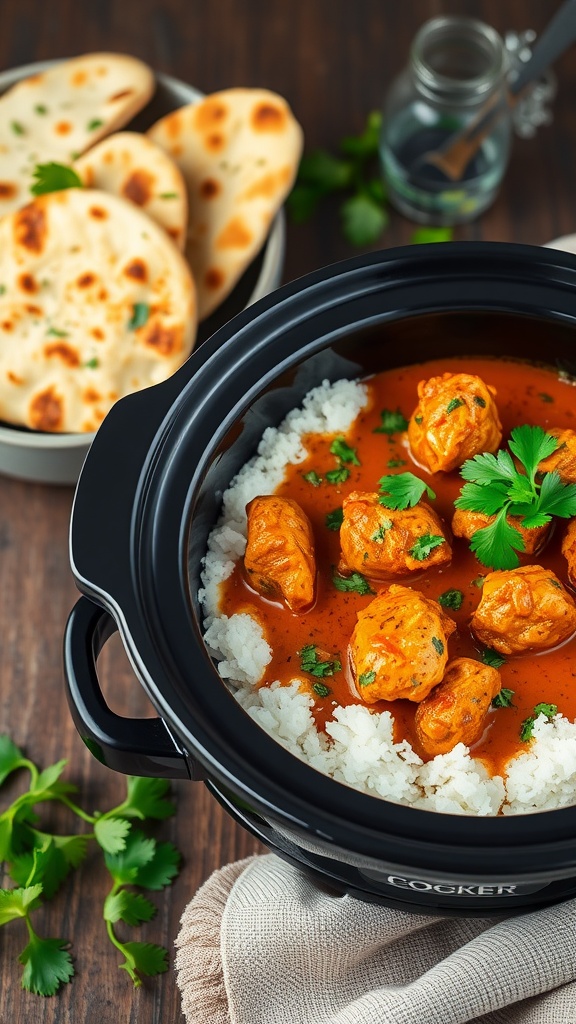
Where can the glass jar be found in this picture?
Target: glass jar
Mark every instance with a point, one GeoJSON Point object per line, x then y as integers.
{"type": "Point", "coordinates": [456, 65]}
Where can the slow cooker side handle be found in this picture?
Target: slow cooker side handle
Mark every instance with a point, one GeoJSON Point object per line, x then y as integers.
{"type": "Point", "coordinates": [135, 746]}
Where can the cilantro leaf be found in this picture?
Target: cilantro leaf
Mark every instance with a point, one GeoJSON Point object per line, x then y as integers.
{"type": "Point", "coordinates": [366, 678]}
{"type": "Point", "coordinates": [453, 404]}
{"type": "Point", "coordinates": [45, 864]}
{"type": "Point", "coordinates": [425, 545]}
{"type": "Point", "coordinates": [344, 452]}
{"type": "Point", "coordinates": [334, 519]}
{"type": "Point", "coordinates": [146, 799]}
{"type": "Point", "coordinates": [11, 757]}
{"type": "Point", "coordinates": [527, 726]}
{"type": "Point", "coordinates": [312, 478]}
{"type": "Point", "coordinates": [322, 169]}
{"type": "Point", "coordinates": [125, 865]}
{"type": "Point", "coordinates": [402, 490]}
{"type": "Point", "coordinates": [18, 902]}
{"type": "Point", "coordinates": [302, 201]}
{"type": "Point", "coordinates": [162, 867]}
{"type": "Point", "coordinates": [321, 689]}
{"type": "Point", "coordinates": [47, 965]}
{"type": "Point", "coordinates": [496, 545]}
{"type": "Point", "coordinates": [366, 144]}
{"type": "Point", "coordinates": [355, 583]}
{"type": "Point", "coordinates": [438, 645]}
{"type": "Point", "coordinates": [337, 476]}
{"type": "Point", "coordinates": [451, 599]}
{"type": "Point", "coordinates": [111, 833]}
{"type": "Point", "coordinates": [363, 220]}
{"type": "Point", "coordinates": [503, 699]}
{"type": "Point", "coordinates": [530, 445]}
{"type": "Point", "coordinates": [395, 463]}
{"type": "Point", "coordinates": [143, 958]}
{"type": "Point", "coordinates": [556, 498]}
{"type": "Point", "coordinates": [53, 177]}
{"type": "Point", "coordinates": [312, 663]}
{"type": "Point", "coordinates": [488, 497]}
{"type": "Point", "coordinates": [488, 469]}
{"type": "Point", "coordinates": [380, 534]}
{"type": "Point", "coordinates": [130, 907]}
{"type": "Point", "coordinates": [391, 422]}
{"type": "Point", "coordinates": [140, 314]}
{"type": "Point", "coordinates": [424, 235]}
{"type": "Point", "coordinates": [492, 658]}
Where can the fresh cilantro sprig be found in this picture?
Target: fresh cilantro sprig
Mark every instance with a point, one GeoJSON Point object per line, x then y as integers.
{"type": "Point", "coordinates": [353, 174]}
{"type": "Point", "coordinates": [334, 519]}
{"type": "Point", "coordinates": [496, 487]}
{"type": "Point", "coordinates": [391, 422]}
{"type": "Point", "coordinates": [451, 599]}
{"type": "Point", "coordinates": [316, 663]}
{"type": "Point", "coordinates": [425, 545]}
{"type": "Point", "coordinates": [527, 728]}
{"type": "Point", "coordinates": [354, 583]}
{"type": "Point", "coordinates": [402, 490]}
{"type": "Point", "coordinates": [39, 862]}
{"type": "Point", "coordinates": [54, 177]}
{"type": "Point", "coordinates": [503, 698]}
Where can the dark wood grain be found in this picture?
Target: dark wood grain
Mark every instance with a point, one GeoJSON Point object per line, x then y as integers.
{"type": "Point", "coordinates": [333, 60]}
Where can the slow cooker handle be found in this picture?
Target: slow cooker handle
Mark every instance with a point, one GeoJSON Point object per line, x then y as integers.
{"type": "Point", "coordinates": [135, 746]}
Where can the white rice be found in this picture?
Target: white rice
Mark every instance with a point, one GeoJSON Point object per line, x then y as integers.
{"type": "Point", "coordinates": [359, 748]}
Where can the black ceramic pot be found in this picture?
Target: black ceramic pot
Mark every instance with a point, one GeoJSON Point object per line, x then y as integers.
{"type": "Point", "coordinates": [149, 495]}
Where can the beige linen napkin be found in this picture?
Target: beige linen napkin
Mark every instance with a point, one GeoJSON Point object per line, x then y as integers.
{"type": "Point", "coordinates": [260, 944]}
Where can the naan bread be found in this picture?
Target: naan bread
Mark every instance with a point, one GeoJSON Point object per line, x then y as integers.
{"type": "Point", "coordinates": [238, 151]}
{"type": "Point", "coordinates": [58, 114]}
{"type": "Point", "coordinates": [95, 302]}
{"type": "Point", "coordinates": [129, 165]}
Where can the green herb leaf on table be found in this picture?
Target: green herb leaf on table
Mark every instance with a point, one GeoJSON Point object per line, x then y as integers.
{"type": "Point", "coordinates": [402, 490]}
{"type": "Point", "coordinates": [131, 907]}
{"type": "Point", "coordinates": [47, 965]}
{"type": "Point", "coordinates": [391, 422]}
{"type": "Point", "coordinates": [503, 698]}
{"type": "Point", "coordinates": [18, 902]}
{"type": "Point", "coordinates": [355, 583]}
{"type": "Point", "coordinates": [161, 869]}
{"type": "Point", "coordinates": [126, 864]}
{"type": "Point", "coordinates": [334, 519]}
{"type": "Point", "coordinates": [527, 728]}
{"type": "Point", "coordinates": [53, 177]}
{"type": "Point", "coordinates": [451, 599]}
{"type": "Point", "coordinates": [143, 958]}
{"type": "Point", "coordinates": [111, 833]}
{"type": "Point", "coordinates": [366, 144]}
{"type": "Point", "coordinates": [11, 758]}
{"type": "Point", "coordinates": [363, 220]}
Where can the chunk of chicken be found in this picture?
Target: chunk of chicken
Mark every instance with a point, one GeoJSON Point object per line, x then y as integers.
{"type": "Point", "coordinates": [279, 558]}
{"type": "Point", "coordinates": [525, 609]}
{"type": "Point", "coordinates": [563, 460]}
{"type": "Point", "coordinates": [569, 550]}
{"type": "Point", "coordinates": [455, 711]}
{"type": "Point", "coordinates": [382, 542]}
{"type": "Point", "coordinates": [466, 523]}
{"type": "Point", "coordinates": [399, 646]}
{"type": "Point", "coordinates": [455, 419]}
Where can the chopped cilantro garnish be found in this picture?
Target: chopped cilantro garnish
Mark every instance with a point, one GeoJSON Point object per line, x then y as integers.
{"type": "Point", "coordinates": [54, 177]}
{"type": "Point", "coordinates": [2, 289]}
{"type": "Point", "coordinates": [337, 476]}
{"type": "Point", "coordinates": [425, 545]}
{"type": "Point", "coordinates": [54, 332]}
{"type": "Point", "coordinates": [451, 599]}
{"type": "Point", "coordinates": [402, 490]}
{"type": "Point", "coordinates": [479, 581]}
{"type": "Point", "coordinates": [453, 404]}
{"type": "Point", "coordinates": [391, 422]}
{"type": "Point", "coordinates": [496, 487]}
{"type": "Point", "coordinates": [429, 234]}
{"type": "Point", "coordinates": [418, 420]}
{"type": "Point", "coordinates": [312, 478]}
{"type": "Point", "coordinates": [366, 678]}
{"type": "Point", "coordinates": [342, 450]}
{"type": "Point", "coordinates": [437, 645]}
{"type": "Point", "coordinates": [321, 689]}
{"type": "Point", "coordinates": [527, 727]}
{"type": "Point", "coordinates": [334, 519]}
{"type": "Point", "coordinates": [40, 109]}
{"type": "Point", "coordinates": [545, 397]}
{"type": "Point", "coordinates": [94, 124]}
{"type": "Point", "coordinates": [395, 463]}
{"type": "Point", "coordinates": [140, 314]}
{"type": "Point", "coordinates": [492, 658]}
{"type": "Point", "coordinates": [478, 400]}
{"type": "Point", "coordinates": [310, 661]}
{"type": "Point", "coordinates": [380, 534]}
{"type": "Point", "coordinates": [503, 699]}
{"type": "Point", "coordinates": [168, 195]}
{"type": "Point", "coordinates": [356, 583]}
{"type": "Point", "coordinates": [91, 364]}
{"type": "Point", "coordinates": [17, 128]}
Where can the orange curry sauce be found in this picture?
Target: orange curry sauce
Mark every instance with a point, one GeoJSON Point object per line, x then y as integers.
{"type": "Point", "coordinates": [525, 394]}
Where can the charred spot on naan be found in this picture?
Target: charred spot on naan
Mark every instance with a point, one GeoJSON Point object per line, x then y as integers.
{"type": "Point", "coordinates": [139, 187]}
{"type": "Point", "coordinates": [61, 350]}
{"type": "Point", "coordinates": [30, 227]}
{"type": "Point", "coordinates": [209, 188]}
{"type": "Point", "coordinates": [164, 340]}
{"type": "Point", "coordinates": [98, 213]}
{"type": "Point", "coordinates": [28, 283]}
{"type": "Point", "coordinates": [210, 113]}
{"type": "Point", "coordinates": [14, 378]}
{"type": "Point", "coordinates": [214, 278]}
{"type": "Point", "coordinates": [268, 117]}
{"type": "Point", "coordinates": [86, 280]}
{"type": "Point", "coordinates": [8, 190]}
{"type": "Point", "coordinates": [267, 186]}
{"type": "Point", "coordinates": [46, 410]}
{"type": "Point", "coordinates": [235, 235]}
{"type": "Point", "coordinates": [137, 270]}
{"type": "Point", "coordinates": [214, 142]}
{"type": "Point", "coordinates": [121, 95]}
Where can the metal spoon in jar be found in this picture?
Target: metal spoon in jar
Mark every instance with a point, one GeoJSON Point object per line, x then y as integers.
{"type": "Point", "coordinates": [453, 157]}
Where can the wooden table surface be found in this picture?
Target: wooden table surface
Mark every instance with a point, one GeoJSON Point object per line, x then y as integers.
{"type": "Point", "coordinates": [332, 60]}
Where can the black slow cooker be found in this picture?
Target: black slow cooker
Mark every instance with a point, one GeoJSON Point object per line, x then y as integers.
{"type": "Point", "coordinates": [150, 492]}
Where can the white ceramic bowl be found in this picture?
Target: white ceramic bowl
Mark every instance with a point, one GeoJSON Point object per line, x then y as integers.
{"type": "Point", "coordinates": [58, 458]}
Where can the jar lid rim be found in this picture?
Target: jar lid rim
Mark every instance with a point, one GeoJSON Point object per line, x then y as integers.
{"type": "Point", "coordinates": [474, 31]}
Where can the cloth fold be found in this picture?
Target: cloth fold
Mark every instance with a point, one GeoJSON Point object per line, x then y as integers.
{"type": "Point", "coordinates": [261, 944]}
